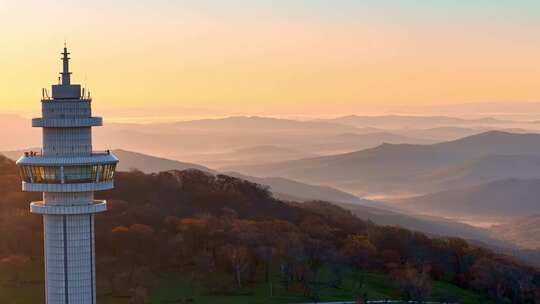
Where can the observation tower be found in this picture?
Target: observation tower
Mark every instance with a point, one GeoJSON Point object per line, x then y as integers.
{"type": "Point", "coordinates": [68, 172]}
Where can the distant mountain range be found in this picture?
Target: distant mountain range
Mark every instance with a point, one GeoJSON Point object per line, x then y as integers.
{"type": "Point", "coordinates": [503, 198]}
{"type": "Point", "coordinates": [407, 121]}
{"type": "Point", "coordinates": [525, 232]}
{"type": "Point", "coordinates": [440, 134]}
{"type": "Point", "coordinates": [346, 142]}
{"type": "Point", "coordinates": [514, 110]}
{"type": "Point", "coordinates": [150, 164]}
{"type": "Point", "coordinates": [396, 168]}
{"type": "Point", "coordinates": [197, 140]}
{"type": "Point", "coordinates": [428, 224]}
{"type": "Point", "coordinates": [258, 123]}
{"type": "Point", "coordinates": [251, 155]}
{"type": "Point", "coordinates": [287, 189]}
{"type": "Point", "coordinates": [482, 170]}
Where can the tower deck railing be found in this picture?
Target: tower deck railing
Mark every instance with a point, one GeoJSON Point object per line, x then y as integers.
{"type": "Point", "coordinates": [33, 153]}
{"type": "Point", "coordinates": [40, 153]}
{"type": "Point", "coordinates": [50, 99]}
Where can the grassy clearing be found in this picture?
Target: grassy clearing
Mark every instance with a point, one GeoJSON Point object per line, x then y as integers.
{"type": "Point", "coordinates": [442, 289]}
{"type": "Point", "coordinates": [177, 288]}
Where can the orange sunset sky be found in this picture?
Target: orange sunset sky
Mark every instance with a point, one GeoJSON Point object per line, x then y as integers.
{"type": "Point", "coordinates": [271, 57]}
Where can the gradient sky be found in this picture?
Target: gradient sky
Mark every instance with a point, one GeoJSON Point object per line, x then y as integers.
{"type": "Point", "coordinates": [311, 57]}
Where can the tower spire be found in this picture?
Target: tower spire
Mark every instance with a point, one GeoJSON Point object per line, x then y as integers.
{"type": "Point", "coordinates": [66, 74]}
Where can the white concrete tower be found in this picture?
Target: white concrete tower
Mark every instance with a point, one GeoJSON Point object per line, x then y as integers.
{"type": "Point", "coordinates": [68, 172]}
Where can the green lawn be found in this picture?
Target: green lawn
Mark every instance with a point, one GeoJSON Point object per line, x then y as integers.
{"type": "Point", "coordinates": [176, 288]}
{"type": "Point", "coordinates": [465, 296]}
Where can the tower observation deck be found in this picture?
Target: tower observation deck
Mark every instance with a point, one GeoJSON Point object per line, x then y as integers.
{"type": "Point", "coordinates": [68, 172]}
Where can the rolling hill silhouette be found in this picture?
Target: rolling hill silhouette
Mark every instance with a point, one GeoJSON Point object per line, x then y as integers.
{"type": "Point", "coordinates": [391, 167]}
{"type": "Point", "coordinates": [503, 198]}
{"type": "Point", "coordinates": [525, 231]}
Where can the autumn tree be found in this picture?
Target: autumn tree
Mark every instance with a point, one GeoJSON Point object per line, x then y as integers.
{"type": "Point", "coordinates": [239, 260]}
{"type": "Point", "coordinates": [359, 251]}
{"type": "Point", "coordinates": [414, 284]}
